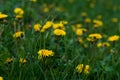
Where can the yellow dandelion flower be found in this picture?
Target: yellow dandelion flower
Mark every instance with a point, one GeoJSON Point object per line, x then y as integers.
{"type": "Point", "coordinates": [58, 25]}
{"type": "Point", "coordinates": [18, 34]}
{"type": "Point", "coordinates": [47, 25]}
{"type": "Point", "coordinates": [22, 60]}
{"type": "Point", "coordinates": [9, 60]}
{"type": "Point", "coordinates": [87, 20]}
{"type": "Point", "coordinates": [45, 53]}
{"type": "Point", "coordinates": [59, 32]}
{"type": "Point", "coordinates": [18, 11]}
{"type": "Point", "coordinates": [94, 37]}
{"type": "Point", "coordinates": [1, 78]}
{"type": "Point", "coordinates": [113, 38]}
{"type": "Point", "coordinates": [33, 0]}
{"type": "Point", "coordinates": [2, 16]}
{"type": "Point", "coordinates": [99, 16]}
{"type": "Point", "coordinates": [64, 22]}
{"type": "Point", "coordinates": [80, 31]}
{"type": "Point", "coordinates": [99, 44]}
{"type": "Point", "coordinates": [83, 14]}
{"type": "Point", "coordinates": [37, 27]}
{"type": "Point", "coordinates": [114, 20]}
{"type": "Point", "coordinates": [19, 16]}
{"type": "Point", "coordinates": [106, 44]}
{"type": "Point", "coordinates": [78, 25]}
{"type": "Point", "coordinates": [46, 9]}
{"type": "Point", "coordinates": [80, 40]}
{"type": "Point", "coordinates": [97, 23]}
{"type": "Point", "coordinates": [87, 69]}
{"type": "Point", "coordinates": [79, 68]}
{"type": "Point", "coordinates": [92, 5]}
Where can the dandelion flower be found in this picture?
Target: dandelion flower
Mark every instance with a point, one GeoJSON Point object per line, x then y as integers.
{"type": "Point", "coordinates": [86, 69]}
{"type": "Point", "coordinates": [94, 37]}
{"type": "Point", "coordinates": [113, 38]}
{"type": "Point", "coordinates": [37, 27]}
{"type": "Point", "coordinates": [79, 68]}
{"type": "Point", "coordinates": [33, 0]}
{"type": "Point", "coordinates": [59, 32]}
{"type": "Point", "coordinates": [22, 60]}
{"type": "Point", "coordinates": [97, 23]}
{"type": "Point", "coordinates": [114, 20]}
{"type": "Point", "coordinates": [1, 78]}
{"type": "Point", "coordinates": [2, 16]}
{"type": "Point", "coordinates": [18, 12]}
{"type": "Point", "coordinates": [9, 60]}
{"type": "Point", "coordinates": [45, 53]}
{"type": "Point", "coordinates": [18, 34]}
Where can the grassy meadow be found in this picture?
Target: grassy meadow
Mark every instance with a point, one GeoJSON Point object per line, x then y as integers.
{"type": "Point", "coordinates": [59, 40]}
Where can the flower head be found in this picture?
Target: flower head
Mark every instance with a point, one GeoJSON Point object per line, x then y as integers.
{"type": "Point", "coordinates": [37, 27]}
{"type": "Point", "coordinates": [45, 53]}
{"type": "Point", "coordinates": [114, 20]}
{"type": "Point", "coordinates": [86, 69]}
{"type": "Point", "coordinates": [79, 68]}
{"type": "Point", "coordinates": [18, 34]}
{"type": "Point", "coordinates": [9, 60]}
{"type": "Point", "coordinates": [59, 32]}
{"type": "Point", "coordinates": [113, 38]}
{"type": "Point", "coordinates": [33, 0]}
{"type": "Point", "coordinates": [1, 78]}
{"type": "Point", "coordinates": [18, 12]}
{"type": "Point", "coordinates": [97, 23]}
{"type": "Point", "coordinates": [22, 60]}
{"type": "Point", "coordinates": [94, 37]}
{"type": "Point", "coordinates": [104, 44]}
{"type": "Point", "coordinates": [2, 16]}
{"type": "Point", "coordinates": [80, 31]}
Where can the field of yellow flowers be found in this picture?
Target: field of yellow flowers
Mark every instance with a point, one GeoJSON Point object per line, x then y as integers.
{"type": "Point", "coordinates": [59, 40]}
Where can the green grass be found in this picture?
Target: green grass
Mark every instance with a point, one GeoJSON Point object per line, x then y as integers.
{"type": "Point", "coordinates": [104, 62]}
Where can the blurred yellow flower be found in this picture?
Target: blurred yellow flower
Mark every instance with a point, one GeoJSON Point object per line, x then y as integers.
{"type": "Point", "coordinates": [99, 44]}
{"type": "Point", "coordinates": [92, 5]}
{"type": "Point", "coordinates": [1, 78]}
{"type": "Point", "coordinates": [87, 69]}
{"type": "Point", "coordinates": [37, 27]}
{"type": "Point", "coordinates": [104, 44]}
{"type": "Point", "coordinates": [18, 34]}
{"type": "Point", "coordinates": [114, 20]}
{"type": "Point", "coordinates": [87, 20]}
{"type": "Point", "coordinates": [33, 0]}
{"type": "Point", "coordinates": [97, 23]}
{"type": "Point", "coordinates": [47, 25]}
{"type": "Point", "coordinates": [22, 60]}
{"type": "Point", "coordinates": [64, 22]}
{"type": "Point", "coordinates": [45, 53]}
{"type": "Point", "coordinates": [94, 37]}
{"type": "Point", "coordinates": [80, 40]}
{"type": "Point", "coordinates": [58, 25]}
{"type": "Point", "coordinates": [9, 60]}
{"type": "Point", "coordinates": [80, 31]}
{"type": "Point", "coordinates": [59, 32]}
{"type": "Point", "coordinates": [79, 68]}
{"type": "Point", "coordinates": [113, 38]}
{"type": "Point", "coordinates": [18, 12]}
{"type": "Point", "coordinates": [83, 14]}
{"type": "Point", "coordinates": [2, 16]}
{"type": "Point", "coordinates": [99, 16]}
{"type": "Point", "coordinates": [78, 25]}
